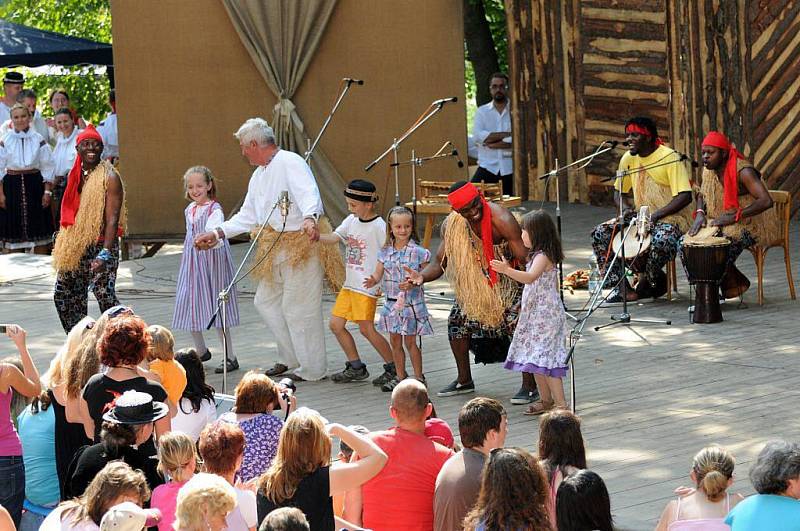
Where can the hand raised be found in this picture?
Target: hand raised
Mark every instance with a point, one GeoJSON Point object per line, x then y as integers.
{"type": "Point", "coordinates": [501, 266]}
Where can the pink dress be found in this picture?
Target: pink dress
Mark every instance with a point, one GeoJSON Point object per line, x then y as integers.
{"type": "Point", "coordinates": [165, 499]}
{"type": "Point", "coordinates": [701, 524]}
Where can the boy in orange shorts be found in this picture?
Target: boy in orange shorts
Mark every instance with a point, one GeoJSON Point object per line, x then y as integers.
{"type": "Point", "coordinates": [363, 232]}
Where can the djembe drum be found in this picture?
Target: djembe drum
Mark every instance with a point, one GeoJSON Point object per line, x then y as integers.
{"type": "Point", "coordinates": [705, 261]}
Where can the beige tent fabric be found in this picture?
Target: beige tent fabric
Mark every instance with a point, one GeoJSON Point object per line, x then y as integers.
{"type": "Point", "coordinates": [281, 37]}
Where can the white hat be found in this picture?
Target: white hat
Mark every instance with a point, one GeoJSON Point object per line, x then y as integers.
{"type": "Point", "coordinates": [126, 516]}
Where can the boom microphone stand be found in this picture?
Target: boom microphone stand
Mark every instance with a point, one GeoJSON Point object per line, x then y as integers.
{"type": "Point", "coordinates": [432, 110]}
{"type": "Point", "coordinates": [414, 162]}
{"type": "Point", "coordinates": [343, 89]}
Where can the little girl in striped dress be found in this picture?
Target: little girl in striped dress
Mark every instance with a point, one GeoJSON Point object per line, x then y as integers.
{"type": "Point", "coordinates": [204, 274]}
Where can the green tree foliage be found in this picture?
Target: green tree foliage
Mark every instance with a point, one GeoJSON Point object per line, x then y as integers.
{"type": "Point", "coordinates": [87, 86]}
{"type": "Point", "coordinates": [496, 20]}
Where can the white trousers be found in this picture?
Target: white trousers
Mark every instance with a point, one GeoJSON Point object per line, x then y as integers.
{"type": "Point", "coordinates": [291, 306]}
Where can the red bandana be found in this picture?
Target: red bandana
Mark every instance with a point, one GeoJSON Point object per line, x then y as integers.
{"type": "Point", "coordinates": [464, 196]}
{"type": "Point", "coordinates": [730, 186]}
{"type": "Point", "coordinates": [633, 128]}
{"type": "Point", "coordinates": [72, 199]}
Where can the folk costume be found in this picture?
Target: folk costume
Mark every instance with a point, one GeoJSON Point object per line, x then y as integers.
{"type": "Point", "coordinates": [81, 240]}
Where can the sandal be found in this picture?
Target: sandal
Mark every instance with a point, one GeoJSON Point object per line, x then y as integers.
{"type": "Point", "coordinates": [538, 408]}
{"type": "Point", "coordinates": [276, 370]}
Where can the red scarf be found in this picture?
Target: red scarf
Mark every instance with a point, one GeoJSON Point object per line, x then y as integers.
{"type": "Point", "coordinates": [633, 128]}
{"type": "Point", "coordinates": [730, 184]}
{"type": "Point", "coordinates": [464, 196]}
{"type": "Point", "coordinates": [72, 199]}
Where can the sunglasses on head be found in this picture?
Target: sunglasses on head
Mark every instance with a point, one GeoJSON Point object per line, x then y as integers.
{"type": "Point", "coordinates": [115, 311]}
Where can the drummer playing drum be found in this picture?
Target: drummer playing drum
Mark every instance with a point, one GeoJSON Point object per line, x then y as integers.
{"type": "Point", "coordinates": [733, 199]}
{"type": "Point", "coordinates": [659, 179]}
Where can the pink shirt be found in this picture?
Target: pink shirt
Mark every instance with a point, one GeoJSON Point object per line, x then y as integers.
{"type": "Point", "coordinates": [10, 444]}
{"type": "Point", "coordinates": [400, 497]}
{"type": "Point", "coordinates": [165, 499]}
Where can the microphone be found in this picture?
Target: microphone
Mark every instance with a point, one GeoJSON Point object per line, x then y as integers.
{"type": "Point", "coordinates": [351, 80]}
{"type": "Point", "coordinates": [687, 158]}
{"type": "Point", "coordinates": [442, 101]}
{"type": "Point", "coordinates": [454, 153]}
{"type": "Point", "coordinates": [284, 203]}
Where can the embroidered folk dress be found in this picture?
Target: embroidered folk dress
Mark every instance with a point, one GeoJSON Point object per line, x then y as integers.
{"type": "Point", "coordinates": [203, 274]}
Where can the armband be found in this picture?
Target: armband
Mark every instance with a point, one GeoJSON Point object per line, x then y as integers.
{"type": "Point", "coordinates": [699, 210]}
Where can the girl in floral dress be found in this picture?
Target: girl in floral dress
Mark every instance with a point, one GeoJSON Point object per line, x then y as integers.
{"type": "Point", "coordinates": [538, 345]}
{"type": "Point", "coordinates": [404, 315]}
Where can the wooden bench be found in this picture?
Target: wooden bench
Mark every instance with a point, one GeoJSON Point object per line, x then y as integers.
{"type": "Point", "coordinates": [433, 202]}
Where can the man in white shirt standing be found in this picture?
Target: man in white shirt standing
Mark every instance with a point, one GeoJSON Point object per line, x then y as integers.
{"type": "Point", "coordinates": [12, 86]}
{"type": "Point", "coordinates": [289, 299]}
{"type": "Point", "coordinates": [108, 130]}
{"type": "Point", "coordinates": [492, 132]}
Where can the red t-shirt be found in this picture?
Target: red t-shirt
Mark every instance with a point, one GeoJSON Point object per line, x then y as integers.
{"type": "Point", "coordinates": [400, 497]}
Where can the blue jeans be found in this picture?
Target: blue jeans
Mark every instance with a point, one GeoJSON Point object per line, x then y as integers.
{"type": "Point", "coordinates": [12, 478]}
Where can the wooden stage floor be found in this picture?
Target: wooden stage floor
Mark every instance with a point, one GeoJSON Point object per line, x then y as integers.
{"type": "Point", "coordinates": [650, 395]}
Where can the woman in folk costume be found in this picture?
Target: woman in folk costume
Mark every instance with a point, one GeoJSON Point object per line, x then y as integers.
{"type": "Point", "coordinates": [93, 216]}
{"type": "Point", "coordinates": [486, 305]}
{"type": "Point", "coordinates": [733, 198]}
{"type": "Point", "coordinates": [26, 174]}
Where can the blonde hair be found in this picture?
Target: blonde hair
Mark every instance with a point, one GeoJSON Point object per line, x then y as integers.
{"type": "Point", "coordinates": [86, 362]}
{"type": "Point", "coordinates": [176, 451]}
{"type": "Point", "coordinates": [304, 447]}
{"type": "Point", "coordinates": [201, 495]}
{"type": "Point", "coordinates": [71, 348]}
{"type": "Point", "coordinates": [20, 106]}
{"type": "Point", "coordinates": [713, 468]}
{"type": "Point", "coordinates": [207, 176]}
{"type": "Point", "coordinates": [162, 344]}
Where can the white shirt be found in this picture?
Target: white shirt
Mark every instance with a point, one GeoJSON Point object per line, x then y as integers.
{"type": "Point", "coordinates": [64, 153]}
{"type": "Point", "coordinates": [37, 123]}
{"type": "Point", "coordinates": [108, 131]}
{"type": "Point", "coordinates": [362, 240]}
{"type": "Point", "coordinates": [245, 514]}
{"type": "Point", "coordinates": [193, 423]}
{"type": "Point", "coordinates": [5, 111]}
{"type": "Point", "coordinates": [286, 171]}
{"type": "Point", "coordinates": [54, 522]}
{"type": "Point", "coordinates": [23, 150]}
{"type": "Point", "coordinates": [487, 121]}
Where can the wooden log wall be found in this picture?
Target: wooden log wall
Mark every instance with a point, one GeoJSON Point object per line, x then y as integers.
{"type": "Point", "coordinates": [580, 69]}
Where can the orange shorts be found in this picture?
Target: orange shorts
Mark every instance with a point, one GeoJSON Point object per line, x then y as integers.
{"type": "Point", "coordinates": [354, 306]}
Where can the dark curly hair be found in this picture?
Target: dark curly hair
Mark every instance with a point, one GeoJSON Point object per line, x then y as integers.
{"type": "Point", "coordinates": [514, 493]}
{"type": "Point", "coordinates": [124, 342]}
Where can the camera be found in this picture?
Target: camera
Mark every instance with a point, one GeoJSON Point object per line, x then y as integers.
{"type": "Point", "coordinates": [287, 389]}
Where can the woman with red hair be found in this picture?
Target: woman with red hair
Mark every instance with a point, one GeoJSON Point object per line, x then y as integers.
{"type": "Point", "coordinates": [733, 198]}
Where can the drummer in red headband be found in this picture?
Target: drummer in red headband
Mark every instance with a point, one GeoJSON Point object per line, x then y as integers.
{"type": "Point", "coordinates": [86, 252]}
{"type": "Point", "coordinates": [733, 197]}
{"type": "Point", "coordinates": [485, 311]}
{"type": "Point", "coordinates": [655, 176]}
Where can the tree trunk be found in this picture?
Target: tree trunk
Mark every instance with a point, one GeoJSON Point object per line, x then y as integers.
{"type": "Point", "coordinates": [480, 48]}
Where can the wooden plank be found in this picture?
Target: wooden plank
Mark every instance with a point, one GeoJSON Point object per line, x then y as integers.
{"type": "Point", "coordinates": [619, 14]}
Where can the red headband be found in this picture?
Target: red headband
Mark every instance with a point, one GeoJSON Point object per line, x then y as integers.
{"type": "Point", "coordinates": [72, 199]}
{"type": "Point", "coordinates": [463, 196]}
{"type": "Point", "coordinates": [636, 128]}
{"type": "Point", "coordinates": [89, 133]}
{"type": "Point", "coordinates": [730, 185]}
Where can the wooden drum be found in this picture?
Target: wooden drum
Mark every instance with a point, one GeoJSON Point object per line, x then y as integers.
{"type": "Point", "coordinates": [705, 261]}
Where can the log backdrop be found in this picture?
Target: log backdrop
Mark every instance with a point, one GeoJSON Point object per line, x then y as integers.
{"type": "Point", "coordinates": [581, 68]}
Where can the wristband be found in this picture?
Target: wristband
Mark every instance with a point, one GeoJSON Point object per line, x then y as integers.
{"type": "Point", "coordinates": [104, 255]}
{"type": "Point", "coordinates": [738, 215]}
{"type": "Point", "coordinates": [48, 192]}
{"type": "Point", "coordinates": [220, 233]}
{"type": "Point", "coordinates": [694, 215]}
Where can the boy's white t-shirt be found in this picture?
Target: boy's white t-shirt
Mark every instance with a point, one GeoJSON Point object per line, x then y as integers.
{"type": "Point", "coordinates": [363, 240]}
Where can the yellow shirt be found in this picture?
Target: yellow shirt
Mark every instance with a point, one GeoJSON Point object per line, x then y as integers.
{"type": "Point", "coordinates": [173, 378]}
{"type": "Point", "coordinates": [675, 175]}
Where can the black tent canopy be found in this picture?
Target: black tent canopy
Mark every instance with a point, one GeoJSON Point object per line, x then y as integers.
{"type": "Point", "coordinates": [26, 46]}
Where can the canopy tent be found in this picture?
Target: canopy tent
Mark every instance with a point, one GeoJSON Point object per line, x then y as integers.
{"type": "Point", "coordinates": [25, 46]}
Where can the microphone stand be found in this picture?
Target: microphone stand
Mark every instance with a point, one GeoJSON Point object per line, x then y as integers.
{"type": "Point", "coordinates": [224, 295]}
{"type": "Point", "coordinates": [414, 162]}
{"type": "Point", "coordinates": [340, 96]}
{"type": "Point", "coordinates": [432, 110]}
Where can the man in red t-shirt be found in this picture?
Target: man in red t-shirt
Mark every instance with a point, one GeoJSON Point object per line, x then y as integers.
{"type": "Point", "coordinates": [400, 497]}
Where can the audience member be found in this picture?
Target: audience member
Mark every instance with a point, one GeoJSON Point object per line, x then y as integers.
{"type": "Point", "coordinates": [301, 475]}
{"type": "Point", "coordinates": [345, 455]}
{"type": "Point", "coordinates": [69, 371]}
{"type": "Point", "coordinates": [161, 360]}
{"type": "Point", "coordinates": [482, 425]}
{"type": "Point", "coordinates": [513, 494]}
{"type": "Point", "coordinates": [256, 397]}
{"type": "Point", "coordinates": [177, 461]}
{"type": "Point", "coordinates": [127, 516]}
{"type": "Point", "coordinates": [122, 348]}
{"type": "Point", "coordinates": [59, 99]}
{"type": "Point", "coordinates": [583, 504]}
{"type": "Point", "coordinates": [6, 523]}
{"type": "Point", "coordinates": [26, 383]}
{"type": "Point", "coordinates": [222, 450]}
{"type": "Point", "coordinates": [439, 431]}
{"type": "Point", "coordinates": [36, 427]}
{"type": "Point", "coordinates": [127, 428]}
{"type": "Point", "coordinates": [117, 482]}
{"type": "Point", "coordinates": [712, 474]}
{"type": "Point", "coordinates": [285, 519]}
{"type": "Point", "coordinates": [196, 408]}
{"type": "Point", "coordinates": [204, 503]}
{"type": "Point", "coordinates": [776, 477]}
{"type": "Point", "coordinates": [28, 97]}
{"type": "Point", "coordinates": [410, 474]}
{"type": "Point", "coordinates": [561, 450]}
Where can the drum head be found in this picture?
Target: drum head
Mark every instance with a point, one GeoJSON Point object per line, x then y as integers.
{"type": "Point", "coordinates": [633, 245]}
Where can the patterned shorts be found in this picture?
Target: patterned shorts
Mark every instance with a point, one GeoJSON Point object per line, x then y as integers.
{"type": "Point", "coordinates": [459, 326]}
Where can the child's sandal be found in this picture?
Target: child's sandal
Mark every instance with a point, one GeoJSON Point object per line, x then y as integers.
{"type": "Point", "coordinates": [538, 408]}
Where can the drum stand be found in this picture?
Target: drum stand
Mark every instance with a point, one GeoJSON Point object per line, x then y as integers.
{"type": "Point", "coordinates": [625, 316]}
